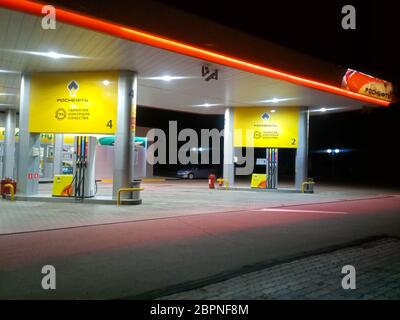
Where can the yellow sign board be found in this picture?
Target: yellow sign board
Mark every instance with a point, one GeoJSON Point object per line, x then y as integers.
{"type": "Point", "coordinates": [259, 180]}
{"type": "Point", "coordinates": [73, 102]}
{"type": "Point", "coordinates": [3, 134]}
{"type": "Point", "coordinates": [265, 127]}
{"type": "Point", "coordinates": [45, 138]}
{"type": "Point", "coordinates": [62, 185]}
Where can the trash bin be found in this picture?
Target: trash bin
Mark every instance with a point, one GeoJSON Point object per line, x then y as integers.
{"type": "Point", "coordinates": [309, 186]}
{"type": "Point", "coordinates": [6, 190]}
{"type": "Point", "coordinates": [135, 183]}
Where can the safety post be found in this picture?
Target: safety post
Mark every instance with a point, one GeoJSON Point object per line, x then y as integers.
{"type": "Point", "coordinates": [125, 190]}
{"type": "Point", "coordinates": [309, 184]}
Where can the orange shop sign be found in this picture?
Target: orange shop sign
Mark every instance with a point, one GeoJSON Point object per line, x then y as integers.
{"type": "Point", "coordinates": [367, 85]}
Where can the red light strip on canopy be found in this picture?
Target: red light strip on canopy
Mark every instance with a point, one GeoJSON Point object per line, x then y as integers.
{"type": "Point", "coordinates": [178, 47]}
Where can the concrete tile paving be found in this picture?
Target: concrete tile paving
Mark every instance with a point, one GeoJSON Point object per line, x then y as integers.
{"type": "Point", "coordinates": [160, 200]}
{"type": "Point", "coordinates": [377, 265]}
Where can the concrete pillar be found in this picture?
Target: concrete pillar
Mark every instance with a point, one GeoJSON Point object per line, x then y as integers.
{"type": "Point", "coordinates": [9, 144]}
{"type": "Point", "coordinates": [58, 153]}
{"type": "Point", "coordinates": [48, 162]}
{"type": "Point", "coordinates": [124, 136]}
{"type": "Point", "coordinates": [302, 149]}
{"type": "Point", "coordinates": [229, 167]}
{"type": "Point", "coordinates": [29, 146]}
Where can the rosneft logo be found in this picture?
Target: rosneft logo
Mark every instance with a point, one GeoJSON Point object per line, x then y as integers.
{"type": "Point", "coordinates": [265, 116]}
{"type": "Point", "coordinates": [73, 88]}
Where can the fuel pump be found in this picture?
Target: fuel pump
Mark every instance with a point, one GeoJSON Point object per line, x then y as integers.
{"type": "Point", "coordinates": [84, 183]}
{"type": "Point", "coordinates": [272, 168]}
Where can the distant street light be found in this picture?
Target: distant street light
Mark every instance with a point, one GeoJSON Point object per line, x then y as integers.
{"type": "Point", "coordinates": [332, 154]}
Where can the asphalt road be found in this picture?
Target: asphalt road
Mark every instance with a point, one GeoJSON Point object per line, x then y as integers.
{"type": "Point", "coordinates": [161, 256]}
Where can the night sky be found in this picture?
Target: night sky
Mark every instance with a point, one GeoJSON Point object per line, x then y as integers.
{"type": "Point", "coordinates": [313, 27]}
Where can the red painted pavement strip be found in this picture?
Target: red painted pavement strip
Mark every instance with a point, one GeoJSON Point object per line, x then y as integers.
{"type": "Point", "coordinates": [27, 248]}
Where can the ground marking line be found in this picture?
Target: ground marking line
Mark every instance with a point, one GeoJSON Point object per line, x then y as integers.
{"type": "Point", "coordinates": [301, 211]}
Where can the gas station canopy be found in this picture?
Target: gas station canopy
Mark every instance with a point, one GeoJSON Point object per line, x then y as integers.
{"type": "Point", "coordinates": [171, 75]}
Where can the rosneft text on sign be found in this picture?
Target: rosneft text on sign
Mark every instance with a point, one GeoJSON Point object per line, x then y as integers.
{"type": "Point", "coordinates": [266, 128]}
{"type": "Point", "coordinates": [73, 102]}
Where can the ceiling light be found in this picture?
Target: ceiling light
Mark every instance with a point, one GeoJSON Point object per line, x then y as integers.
{"type": "Point", "coordinates": [275, 100]}
{"type": "Point", "coordinates": [337, 150]}
{"type": "Point", "coordinates": [273, 110]}
{"type": "Point", "coordinates": [8, 71]}
{"type": "Point", "coordinates": [327, 109]}
{"type": "Point", "coordinates": [6, 104]}
{"type": "Point", "coordinates": [206, 105]}
{"type": "Point", "coordinates": [166, 78]}
{"type": "Point", "coordinates": [49, 54]}
{"type": "Point", "coordinates": [7, 94]}
{"type": "Point", "coordinates": [106, 82]}
{"type": "Point", "coordinates": [54, 55]}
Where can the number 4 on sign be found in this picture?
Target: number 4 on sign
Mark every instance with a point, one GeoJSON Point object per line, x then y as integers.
{"type": "Point", "coordinates": [109, 124]}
